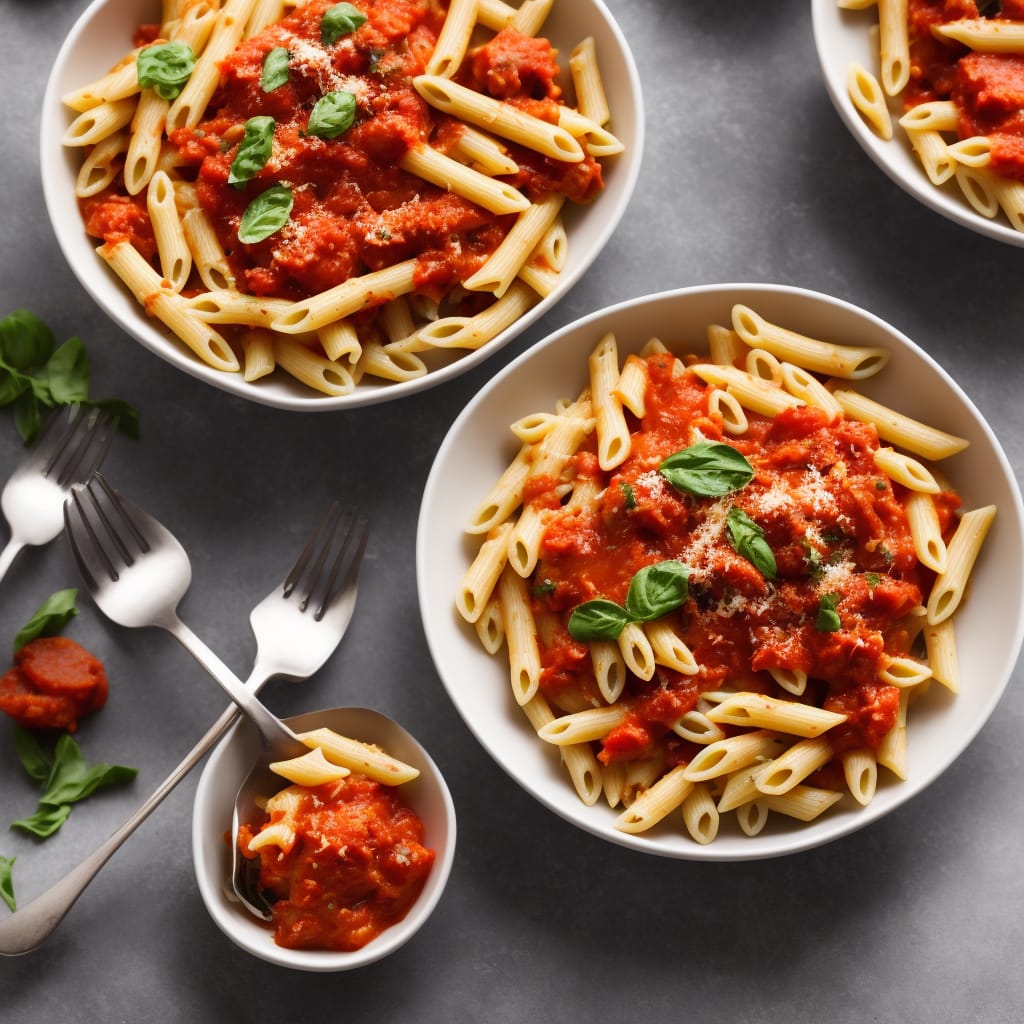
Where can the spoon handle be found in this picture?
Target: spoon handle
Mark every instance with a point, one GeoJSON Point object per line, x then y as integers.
{"type": "Point", "coordinates": [30, 925]}
{"type": "Point", "coordinates": [8, 554]}
{"type": "Point", "coordinates": [272, 731]}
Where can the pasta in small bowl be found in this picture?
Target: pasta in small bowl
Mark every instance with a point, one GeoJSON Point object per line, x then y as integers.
{"type": "Point", "coordinates": [355, 851]}
{"type": "Point", "coordinates": [894, 73]}
{"type": "Point", "coordinates": [319, 205]}
{"type": "Point", "coordinates": [694, 571]}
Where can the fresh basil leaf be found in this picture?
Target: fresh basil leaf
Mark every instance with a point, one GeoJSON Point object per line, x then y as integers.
{"type": "Point", "coordinates": [7, 882]}
{"type": "Point", "coordinates": [165, 68]}
{"type": "Point", "coordinates": [275, 70]}
{"type": "Point", "coordinates": [333, 115]}
{"type": "Point", "coordinates": [339, 20]}
{"type": "Point", "coordinates": [253, 151]}
{"type": "Point", "coordinates": [34, 757]}
{"type": "Point", "coordinates": [748, 540]}
{"type": "Point", "coordinates": [828, 618]}
{"type": "Point", "coordinates": [657, 590]}
{"type": "Point", "coordinates": [45, 821]}
{"type": "Point", "coordinates": [49, 618]}
{"type": "Point", "coordinates": [72, 779]}
{"type": "Point", "coordinates": [599, 619]}
{"type": "Point", "coordinates": [707, 469]}
{"type": "Point", "coordinates": [267, 213]}
{"type": "Point", "coordinates": [628, 496]}
{"type": "Point", "coordinates": [28, 416]}
{"type": "Point", "coordinates": [25, 341]}
{"type": "Point", "coordinates": [125, 416]}
{"type": "Point", "coordinates": [12, 385]}
{"type": "Point", "coordinates": [67, 373]}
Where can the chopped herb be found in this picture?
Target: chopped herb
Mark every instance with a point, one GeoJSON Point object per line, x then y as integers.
{"type": "Point", "coordinates": [813, 561]}
{"type": "Point", "coordinates": [543, 589]}
{"type": "Point", "coordinates": [628, 496]}
{"type": "Point", "coordinates": [881, 485]}
{"type": "Point", "coordinates": [873, 579]}
{"type": "Point", "coordinates": [828, 618]}
{"type": "Point", "coordinates": [748, 540]}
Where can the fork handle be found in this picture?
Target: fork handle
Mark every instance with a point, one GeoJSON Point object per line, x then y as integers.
{"type": "Point", "coordinates": [270, 728]}
{"type": "Point", "coordinates": [30, 925]}
{"type": "Point", "coordinates": [8, 554]}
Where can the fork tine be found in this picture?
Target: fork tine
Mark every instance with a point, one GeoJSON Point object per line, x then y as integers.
{"type": "Point", "coordinates": [94, 532]}
{"type": "Point", "coordinates": [82, 449]}
{"type": "Point", "coordinates": [350, 534]}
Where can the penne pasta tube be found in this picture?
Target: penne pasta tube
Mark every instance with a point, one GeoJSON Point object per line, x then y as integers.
{"type": "Point", "coordinates": [655, 803]}
{"type": "Point", "coordinates": [792, 717]}
{"type": "Point", "coordinates": [358, 756]}
{"type": "Point", "coordinates": [962, 551]}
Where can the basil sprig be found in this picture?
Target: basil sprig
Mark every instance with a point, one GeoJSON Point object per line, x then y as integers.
{"type": "Point", "coordinates": [267, 213]}
{"type": "Point", "coordinates": [707, 469]}
{"type": "Point", "coordinates": [333, 115]}
{"type": "Point", "coordinates": [748, 540]}
{"type": "Point", "coordinates": [828, 620]}
{"type": "Point", "coordinates": [68, 780]}
{"type": "Point", "coordinates": [253, 151]}
{"type": "Point", "coordinates": [654, 590]}
{"type": "Point", "coordinates": [49, 618]}
{"type": "Point", "coordinates": [38, 374]}
{"type": "Point", "coordinates": [165, 68]}
{"type": "Point", "coordinates": [274, 69]}
{"type": "Point", "coordinates": [339, 20]}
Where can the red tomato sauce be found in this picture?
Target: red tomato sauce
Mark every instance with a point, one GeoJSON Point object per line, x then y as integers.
{"type": "Point", "coordinates": [356, 867]}
{"type": "Point", "coordinates": [988, 88]}
{"type": "Point", "coordinates": [53, 683]}
{"type": "Point", "coordinates": [835, 524]}
{"type": "Point", "coordinates": [355, 210]}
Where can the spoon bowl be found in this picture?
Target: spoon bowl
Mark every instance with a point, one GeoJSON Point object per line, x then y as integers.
{"type": "Point", "coordinates": [229, 764]}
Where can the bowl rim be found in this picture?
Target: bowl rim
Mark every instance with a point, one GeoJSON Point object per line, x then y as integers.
{"type": "Point", "coordinates": [243, 930]}
{"type": "Point", "coordinates": [109, 294]}
{"type": "Point", "coordinates": [826, 20]}
{"type": "Point", "coordinates": [804, 837]}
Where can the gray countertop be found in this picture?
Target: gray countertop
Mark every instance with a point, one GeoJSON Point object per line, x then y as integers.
{"type": "Point", "coordinates": [748, 175]}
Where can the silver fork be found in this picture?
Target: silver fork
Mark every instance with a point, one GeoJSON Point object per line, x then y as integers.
{"type": "Point", "coordinates": [315, 604]}
{"type": "Point", "coordinates": [70, 449]}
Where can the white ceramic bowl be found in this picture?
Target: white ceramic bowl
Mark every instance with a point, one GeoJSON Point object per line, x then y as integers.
{"type": "Point", "coordinates": [103, 35]}
{"type": "Point", "coordinates": [228, 765]}
{"type": "Point", "coordinates": [477, 449]}
{"type": "Point", "coordinates": [842, 37]}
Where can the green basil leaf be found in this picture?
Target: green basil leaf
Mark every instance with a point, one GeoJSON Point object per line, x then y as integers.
{"type": "Point", "coordinates": [45, 821]}
{"type": "Point", "coordinates": [747, 539]}
{"type": "Point", "coordinates": [124, 415]}
{"type": "Point", "coordinates": [7, 882]}
{"type": "Point", "coordinates": [707, 469]}
{"type": "Point", "coordinates": [67, 373]}
{"type": "Point", "coordinates": [828, 618]}
{"type": "Point", "coordinates": [267, 213]}
{"type": "Point", "coordinates": [599, 619]}
{"type": "Point", "coordinates": [49, 618]}
{"type": "Point", "coordinates": [657, 590]}
{"type": "Point", "coordinates": [274, 71]}
{"type": "Point", "coordinates": [333, 115]}
{"type": "Point", "coordinates": [34, 757]}
{"type": "Point", "coordinates": [72, 779]}
{"type": "Point", "coordinates": [28, 417]}
{"type": "Point", "coordinates": [12, 385]}
{"type": "Point", "coordinates": [253, 151]}
{"type": "Point", "coordinates": [25, 341]}
{"type": "Point", "coordinates": [339, 20]}
{"type": "Point", "coordinates": [628, 496]}
{"type": "Point", "coordinates": [165, 68]}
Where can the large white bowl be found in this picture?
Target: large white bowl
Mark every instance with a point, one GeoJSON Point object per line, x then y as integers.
{"type": "Point", "coordinates": [843, 37]}
{"type": "Point", "coordinates": [229, 764]}
{"type": "Point", "coordinates": [479, 446]}
{"type": "Point", "coordinates": [103, 35]}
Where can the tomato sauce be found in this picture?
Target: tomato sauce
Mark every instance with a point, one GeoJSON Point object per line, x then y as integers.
{"type": "Point", "coordinates": [355, 210]}
{"type": "Point", "coordinates": [835, 525]}
{"type": "Point", "coordinates": [53, 683]}
{"type": "Point", "coordinates": [988, 88]}
{"type": "Point", "coordinates": [356, 867]}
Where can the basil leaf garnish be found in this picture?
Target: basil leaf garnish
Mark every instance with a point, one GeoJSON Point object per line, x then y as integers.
{"type": "Point", "coordinates": [747, 539]}
{"type": "Point", "coordinates": [274, 71]}
{"type": "Point", "coordinates": [657, 590]}
{"type": "Point", "coordinates": [599, 619]}
{"type": "Point", "coordinates": [267, 213]}
{"type": "Point", "coordinates": [49, 618]}
{"type": "Point", "coordinates": [165, 68]}
{"type": "Point", "coordinates": [333, 115]}
{"type": "Point", "coordinates": [7, 882]}
{"type": "Point", "coordinates": [34, 757]}
{"type": "Point", "coordinates": [339, 20]}
{"type": "Point", "coordinates": [828, 618]}
{"type": "Point", "coordinates": [253, 151]}
{"type": "Point", "coordinates": [707, 469]}
{"type": "Point", "coordinates": [45, 821]}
